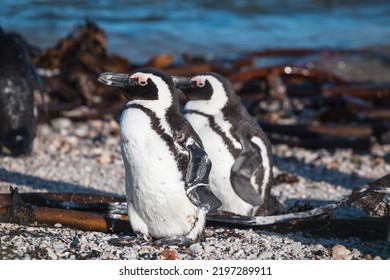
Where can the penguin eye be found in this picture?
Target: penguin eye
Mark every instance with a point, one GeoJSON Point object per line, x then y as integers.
{"type": "Point", "coordinates": [199, 81]}
{"type": "Point", "coordinates": [140, 79]}
{"type": "Point", "coordinates": [200, 84]}
{"type": "Point", "coordinates": [142, 82]}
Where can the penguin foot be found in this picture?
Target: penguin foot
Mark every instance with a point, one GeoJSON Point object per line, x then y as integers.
{"type": "Point", "coordinates": [123, 241]}
{"type": "Point", "coordinates": [181, 241]}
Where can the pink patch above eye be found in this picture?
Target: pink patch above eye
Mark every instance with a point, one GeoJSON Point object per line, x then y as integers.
{"type": "Point", "coordinates": [141, 79]}
{"type": "Point", "coordinates": [200, 81]}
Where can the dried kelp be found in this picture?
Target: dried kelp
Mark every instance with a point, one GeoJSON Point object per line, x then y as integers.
{"type": "Point", "coordinates": [298, 99]}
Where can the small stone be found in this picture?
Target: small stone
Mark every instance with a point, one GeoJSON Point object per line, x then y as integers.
{"type": "Point", "coordinates": [208, 232]}
{"type": "Point", "coordinates": [57, 225]}
{"type": "Point", "coordinates": [43, 245]}
{"type": "Point", "coordinates": [96, 152]}
{"type": "Point", "coordinates": [66, 147]}
{"type": "Point", "coordinates": [59, 247]}
{"type": "Point", "coordinates": [51, 254]}
{"type": "Point", "coordinates": [105, 157]}
{"type": "Point", "coordinates": [332, 165]}
{"type": "Point", "coordinates": [265, 255]}
{"type": "Point", "coordinates": [106, 256]}
{"type": "Point", "coordinates": [73, 141]}
{"type": "Point", "coordinates": [54, 146]}
{"type": "Point", "coordinates": [61, 123]}
{"type": "Point", "coordinates": [169, 255]}
{"type": "Point", "coordinates": [240, 253]}
{"type": "Point", "coordinates": [81, 131]}
{"type": "Point", "coordinates": [367, 257]}
{"type": "Point", "coordinates": [196, 247]}
{"type": "Point", "coordinates": [286, 178]}
{"type": "Point", "coordinates": [209, 248]}
{"type": "Point", "coordinates": [129, 255]}
{"type": "Point", "coordinates": [96, 124]}
{"type": "Point", "coordinates": [114, 127]}
{"type": "Point", "coordinates": [83, 241]}
{"type": "Point", "coordinates": [356, 253]}
{"type": "Point", "coordinates": [378, 160]}
{"type": "Point", "coordinates": [296, 248]}
{"type": "Point", "coordinates": [339, 252]}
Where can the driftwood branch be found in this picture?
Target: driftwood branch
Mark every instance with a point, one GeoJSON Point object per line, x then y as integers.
{"type": "Point", "coordinates": [109, 214]}
{"type": "Point", "coordinates": [377, 91]}
{"type": "Point", "coordinates": [368, 228]}
{"type": "Point", "coordinates": [326, 142]}
{"type": "Point", "coordinates": [95, 212]}
{"type": "Point", "coordinates": [320, 136]}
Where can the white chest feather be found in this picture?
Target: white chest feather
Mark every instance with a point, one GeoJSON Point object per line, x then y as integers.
{"type": "Point", "coordinates": [155, 189]}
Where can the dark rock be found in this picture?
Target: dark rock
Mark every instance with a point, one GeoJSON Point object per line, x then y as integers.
{"type": "Point", "coordinates": [17, 117]}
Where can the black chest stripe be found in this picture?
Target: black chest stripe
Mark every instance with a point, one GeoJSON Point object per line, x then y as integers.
{"type": "Point", "coordinates": [155, 122]}
{"type": "Point", "coordinates": [228, 142]}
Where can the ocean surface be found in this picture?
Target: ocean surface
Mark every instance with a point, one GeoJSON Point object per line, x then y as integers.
{"type": "Point", "coordinates": [138, 30]}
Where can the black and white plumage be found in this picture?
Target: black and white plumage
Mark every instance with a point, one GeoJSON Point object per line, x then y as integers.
{"type": "Point", "coordinates": [239, 149]}
{"type": "Point", "coordinates": [166, 167]}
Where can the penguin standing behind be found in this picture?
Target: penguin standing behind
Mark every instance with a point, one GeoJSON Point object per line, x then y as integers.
{"type": "Point", "coordinates": [167, 169]}
{"type": "Point", "coordinates": [239, 149]}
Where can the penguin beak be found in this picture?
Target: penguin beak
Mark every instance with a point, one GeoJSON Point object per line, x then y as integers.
{"type": "Point", "coordinates": [182, 82]}
{"type": "Point", "coordinates": [117, 80]}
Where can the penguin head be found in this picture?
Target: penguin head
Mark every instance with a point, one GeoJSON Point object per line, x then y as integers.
{"type": "Point", "coordinates": [149, 87]}
{"type": "Point", "coordinates": [208, 91]}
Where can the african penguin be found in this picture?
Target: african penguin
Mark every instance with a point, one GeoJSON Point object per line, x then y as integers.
{"type": "Point", "coordinates": [166, 167]}
{"type": "Point", "coordinates": [239, 149]}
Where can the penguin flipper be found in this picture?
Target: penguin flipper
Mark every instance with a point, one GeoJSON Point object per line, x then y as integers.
{"type": "Point", "coordinates": [246, 168]}
{"type": "Point", "coordinates": [197, 178]}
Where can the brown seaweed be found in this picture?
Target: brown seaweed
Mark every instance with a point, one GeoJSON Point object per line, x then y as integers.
{"type": "Point", "coordinates": [71, 67]}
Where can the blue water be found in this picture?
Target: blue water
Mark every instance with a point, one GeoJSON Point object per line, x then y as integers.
{"type": "Point", "coordinates": [140, 29]}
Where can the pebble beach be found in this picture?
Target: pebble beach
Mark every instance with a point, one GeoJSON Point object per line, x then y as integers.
{"type": "Point", "coordinates": [85, 157]}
